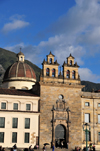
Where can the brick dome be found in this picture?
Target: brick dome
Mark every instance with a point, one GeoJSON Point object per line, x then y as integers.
{"type": "Point", "coordinates": [19, 69]}
{"type": "Point", "coordinates": [19, 75]}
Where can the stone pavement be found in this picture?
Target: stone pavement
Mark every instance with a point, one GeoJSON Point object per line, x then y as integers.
{"type": "Point", "coordinates": [48, 149]}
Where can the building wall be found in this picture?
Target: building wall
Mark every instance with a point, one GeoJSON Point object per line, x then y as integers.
{"type": "Point", "coordinates": [9, 113]}
{"type": "Point", "coordinates": [48, 97]}
{"type": "Point", "coordinates": [18, 84]}
{"type": "Point", "coordinates": [94, 110]}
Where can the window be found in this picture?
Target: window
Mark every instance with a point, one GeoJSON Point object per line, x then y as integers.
{"type": "Point", "coordinates": [53, 72]}
{"type": "Point", "coordinates": [88, 136]}
{"type": "Point", "coordinates": [47, 72]}
{"type": "Point", "coordinates": [14, 122]}
{"type": "Point", "coordinates": [27, 123]}
{"type": "Point", "coordinates": [12, 88]}
{"type": "Point", "coordinates": [2, 122]}
{"type": "Point", "coordinates": [68, 74]}
{"type": "Point", "coordinates": [98, 104]}
{"type": "Point", "coordinates": [70, 62]}
{"type": "Point", "coordinates": [73, 74]}
{"type": "Point", "coordinates": [87, 118]}
{"type": "Point", "coordinates": [28, 106]}
{"type": "Point", "coordinates": [99, 136]}
{"type": "Point", "coordinates": [26, 139]}
{"type": "Point", "coordinates": [14, 137]}
{"type": "Point", "coordinates": [15, 106]}
{"type": "Point", "coordinates": [50, 60]}
{"type": "Point", "coordinates": [87, 104]}
{"type": "Point", "coordinates": [98, 118]}
{"type": "Point", "coordinates": [3, 105]}
{"type": "Point", "coordinates": [1, 137]}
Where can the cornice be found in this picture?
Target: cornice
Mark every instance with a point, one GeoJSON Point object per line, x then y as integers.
{"type": "Point", "coordinates": [60, 84]}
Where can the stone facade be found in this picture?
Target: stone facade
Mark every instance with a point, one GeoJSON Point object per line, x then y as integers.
{"type": "Point", "coordinates": [49, 95]}
{"type": "Point", "coordinates": [51, 87]}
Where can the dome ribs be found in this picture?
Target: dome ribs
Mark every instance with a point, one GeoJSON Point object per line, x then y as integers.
{"type": "Point", "coordinates": [28, 71]}
{"type": "Point", "coordinates": [12, 72]}
{"type": "Point", "coordinates": [20, 71]}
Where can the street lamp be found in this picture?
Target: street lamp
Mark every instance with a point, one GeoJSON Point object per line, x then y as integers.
{"type": "Point", "coordinates": [86, 131]}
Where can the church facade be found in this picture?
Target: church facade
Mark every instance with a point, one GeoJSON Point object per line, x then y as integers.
{"type": "Point", "coordinates": [53, 111]}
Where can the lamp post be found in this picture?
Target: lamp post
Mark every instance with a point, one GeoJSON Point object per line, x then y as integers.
{"type": "Point", "coordinates": [86, 131]}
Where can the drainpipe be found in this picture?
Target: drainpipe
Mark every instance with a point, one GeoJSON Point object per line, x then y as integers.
{"type": "Point", "coordinates": [93, 121]}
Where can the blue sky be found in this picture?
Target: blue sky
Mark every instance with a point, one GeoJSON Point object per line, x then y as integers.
{"type": "Point", "coordinates": [59, 26]}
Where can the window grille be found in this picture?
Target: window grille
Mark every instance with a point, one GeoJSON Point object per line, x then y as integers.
{"type": "Point", "coordinates": [26, 139]}
{"type": "Point", "coordinates": [27, 123]}
{"type": "Point", "coordinates": [2, 122]}
{"type": "Point", "coordinates": [1, 137]}
{"type": "Point", "coordinates": [98, 118]}
{"type": "Point", "coordinates": [3, 105]}
{"type": "Point", "coordinates": [87, 104]}
{"type": "Point", "coordinates": [28, 106]}
{"type": "Point", "coordinates": [87, 118]}
{"type": "Point", "coordinates": [15, 106]}
{"type": "Point", "coordinates": [15, 123]}
{"type": "Point", "coordinates": [14, 137]}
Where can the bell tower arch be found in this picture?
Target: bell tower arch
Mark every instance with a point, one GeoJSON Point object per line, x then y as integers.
{"type": "Point", "coordinates": [49, 69]}
{"type": "Point", "coordinates": [70, 71]}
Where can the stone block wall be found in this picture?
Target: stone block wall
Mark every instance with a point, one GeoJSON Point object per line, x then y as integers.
{"type": "Point", "coordinates": [49, 93]}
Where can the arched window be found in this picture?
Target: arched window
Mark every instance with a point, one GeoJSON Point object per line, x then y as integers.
{"type": "Point", "coordinates": [73, 74]}
{"type": "Point", "coordinates": [50, 60]}
{"type": "Point", "coordinates": [68, 74]}
{"type": "Point", "coordinates": [53, 72]}
{"type": "Point", "coordinates": [70, 62]}
{"type": "Point", "coordinates": [24, 88]}
{"type": "Point", "coordinates": [12, 87]}
{"type": "Point", "coordinates": [47, 72]}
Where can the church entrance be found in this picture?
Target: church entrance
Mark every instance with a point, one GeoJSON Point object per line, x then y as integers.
{"type": "Point", "coordinates": [60, 136]}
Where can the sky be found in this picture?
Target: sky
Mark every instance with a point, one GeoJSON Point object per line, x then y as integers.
{"type": "Point", "coordinates": [59, 26]}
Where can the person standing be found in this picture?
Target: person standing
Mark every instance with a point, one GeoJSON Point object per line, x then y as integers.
{"type": "Point", "coordinates": [61, 144]}
{"type": "Point", "coordinates": [15, 148]}
{"type": "Point", "coordinates": [53, 148]}
{"type": "Point", "coordinates": [67, 145]}
{"type": "Point", "coordinates": [44, 148]}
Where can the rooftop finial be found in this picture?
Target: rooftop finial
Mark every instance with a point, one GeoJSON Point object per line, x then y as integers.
{"type": "Point", "coordinates": [20, 49]}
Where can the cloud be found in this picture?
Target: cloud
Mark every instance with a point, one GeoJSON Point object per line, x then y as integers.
{"type": "Point", "coordinates": [32, 53]}
{"type": "Point", "coordinates": [76, 32]}
{"type": "Point", "coordinates": [16, 23]}
{"type": "Point", "coordinates": [87, 75]}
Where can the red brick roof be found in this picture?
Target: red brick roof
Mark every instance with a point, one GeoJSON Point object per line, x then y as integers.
{"type": "Point", "coordinates": [17, 92]}
{"type": "Point", "coordinates": [19, 69]}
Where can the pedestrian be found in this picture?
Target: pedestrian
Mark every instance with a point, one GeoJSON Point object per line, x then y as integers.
{"type": "Point", "coordinates": [0, 148]}
{"type": "Point", "coordinates": [53, 147]}
{"type": "Point", "coordinates": [3, 149]}
{"type": "Point", "coordinates": [44, 148]}
{"type": "Point", "coordinates": [15, 148]}
{"type": "Point", "coordinates": [30, 148]}
{"type": "Point", "coordinates": [61, 144]}
{"type": "Point", "coordinates": [93, 147]}
{"type": "Point", "coordinates": [67, 145]}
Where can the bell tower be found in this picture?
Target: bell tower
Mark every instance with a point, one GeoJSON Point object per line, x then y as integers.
{"type": "Point", "coordinates": [49, 69]}
{"type": "Point", "coordinates": [70, 71]}
{"type": "Point", "coordinates": [60, 103]}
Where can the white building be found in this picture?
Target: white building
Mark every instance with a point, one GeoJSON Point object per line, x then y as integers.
{"type": "Point", "coordinates": [19, 109]}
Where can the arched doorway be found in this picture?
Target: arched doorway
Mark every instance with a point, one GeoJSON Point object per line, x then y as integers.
{"type": "Point", "coordinates": [60, 136]}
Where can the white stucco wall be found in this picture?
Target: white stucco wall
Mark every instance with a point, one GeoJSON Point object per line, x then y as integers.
{"type": "Point", "coordinates": [21, 114]}
{"type": "Point", "coordinates": [18, 84]}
